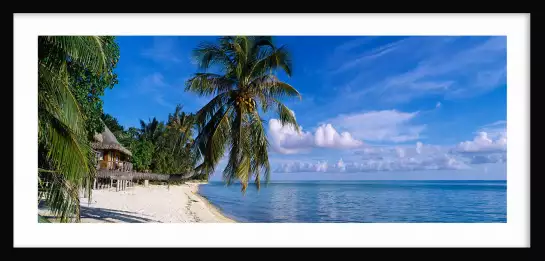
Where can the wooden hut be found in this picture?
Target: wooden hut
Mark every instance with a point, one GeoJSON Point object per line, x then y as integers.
{"type": "Point", "coordinates": [110, 154]}
{"type": "Point", "coordinates": [115, 168]}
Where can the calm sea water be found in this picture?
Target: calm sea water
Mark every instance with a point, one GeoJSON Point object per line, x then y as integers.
{"type": "Point", "coordinates": [363, 201]}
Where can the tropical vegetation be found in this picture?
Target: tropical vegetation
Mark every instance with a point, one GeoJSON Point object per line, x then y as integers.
{"type": "Point", "coordinates": [160, 147]}
{"type": "Point", "coordinates": [73, 72]}
{"type": "Point", "coordinates": [241, 74]}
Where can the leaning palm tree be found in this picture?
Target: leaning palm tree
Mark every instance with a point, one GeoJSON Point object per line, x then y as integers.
{"type": "Point", "coordinates": [65, 157]}
{"type": "Point", "coordinates": [231, 120]}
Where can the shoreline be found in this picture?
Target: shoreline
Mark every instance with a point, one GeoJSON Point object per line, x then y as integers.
{"type": "Point", "coordinates": [152, 204]}
{"type": "Point", "coordinates": [211, 207]}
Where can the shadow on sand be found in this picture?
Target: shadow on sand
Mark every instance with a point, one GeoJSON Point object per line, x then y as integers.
{"type": "Point", "coordinates": [103, 215]}
{"type": "Point", "coordinates": [112, 215]}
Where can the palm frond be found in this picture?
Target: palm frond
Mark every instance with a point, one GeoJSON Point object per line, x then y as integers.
{"type": "Point", "coordinates": [272, 87]}
{"type": "Point", "coordinates": [285, 115]}
{"type": "Point", "coordinates": [62, 199]}
{"type": "Point", "coordinates": [260, 146]}
{"type": "Point", "coordinates": [209, 83]}
{"type": "Point", "coordinates": [68, 151]}
{"type": "Point", "coordinates": [208, 54]}
{"type": "Point", "coordinates": [213, 138]}
{"type": "Point", "coordinates": [272, 60]}
{"type": "Point", "coordinates": [87, 50]}
{"type": "Point", "coordinates": [56, 97]}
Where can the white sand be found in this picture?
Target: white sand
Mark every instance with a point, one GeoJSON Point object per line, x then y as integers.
{"type": "Point", "coordinates": [155, 204]}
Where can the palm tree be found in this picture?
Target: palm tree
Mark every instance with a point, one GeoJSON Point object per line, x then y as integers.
{"type": "Point", "coordinates": [152, 130]}
{"type": "Point", "coordinates": [65, 156]}
{"type": "Point", "coordinates": [231, 120]}
{"type": "Point", "coordinates": [182, 125]}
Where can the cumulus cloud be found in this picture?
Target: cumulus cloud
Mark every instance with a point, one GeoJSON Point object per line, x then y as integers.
{"type": "Point", "coordinates": [349, 132]}
{"type": "Point", "coordinates": [326, 136]}
{"type": "Point", "coordinates": [486, 147]}
{"type": "Point", "coordinates": [385, 125]}
{"type": "Point", "coordinates": [483, 143]}
{"type": "Point", "coordinates": [435, 162]}
{"type": "Point", "coordinates": [495, 130]}
{"type": "Point", "coordinates": [385, 158]}
{"type": "Point", "coordinates": [481, 150]}
{"type": "Point", "coordinates": [286, 140]}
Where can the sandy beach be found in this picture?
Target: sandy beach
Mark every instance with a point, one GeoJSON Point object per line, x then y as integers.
{"type": "Point", "coordinates": [152, 204]}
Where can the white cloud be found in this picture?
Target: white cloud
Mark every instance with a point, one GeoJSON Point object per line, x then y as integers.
{"type": "Point", "coordinates": [419, 147]}
{"type": "Point", "coordinates": [368, 56]}
{"type": "Point", "coordinates": [386, 125]}
{"type": "Point", "coordinates": [152, 82]}
{"type": "Point", "coordinates": [486, 147]}
{"type": "Point", "coordinates": [400, 152]}
{"type": "Point", "coordinates": [483, 143]}
{"type": "Point", "coordinates": [432, 162]}
{"type": "Point", "coordinates": [159, 98]}
{"type": "Point", "coordinates": [153, 85]}
{"type": "Point", "coordinates": [495, 130]}
{"type": "Point", "coordinates": [420, 156]}
{"type": "Point", "coordinates": [286, 139]}
{"type": "Point", "coordinates": [164, 49]}
{"type": "Point", "coordinates": [340, 165]}
{"type": "Point", "coordinates": [297, 166]}
{"type": "Point", "coordinates": [326, 136]}
{"type": "Point", "coordinates": [452, 67]}
{"type": "Point", "coordinates": [438, 105]}
{"type": "Point", "coordinates": [385, 158]}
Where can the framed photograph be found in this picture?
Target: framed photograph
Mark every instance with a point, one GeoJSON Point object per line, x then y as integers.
{"type": "Point", "coordinates": [360, 130]}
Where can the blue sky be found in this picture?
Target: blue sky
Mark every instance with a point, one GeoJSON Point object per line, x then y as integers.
{"type": "Point", "coordinates": [424, 107]}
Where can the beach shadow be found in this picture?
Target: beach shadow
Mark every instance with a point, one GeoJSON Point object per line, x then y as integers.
{"type": "Point", "coordinates": [102, 214]}
{"type": "Point", "coordinates": [109, 215]}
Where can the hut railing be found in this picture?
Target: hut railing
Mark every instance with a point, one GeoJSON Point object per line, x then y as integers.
{"type": "Point", "coordinates": [122, 166]}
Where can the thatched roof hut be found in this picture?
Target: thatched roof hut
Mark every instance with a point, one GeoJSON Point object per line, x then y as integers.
{"type": "Point", "coordinates": [107, 141]}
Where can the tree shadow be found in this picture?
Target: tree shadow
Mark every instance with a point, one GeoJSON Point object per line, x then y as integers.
{"type": "Point", "coordinates": [100, 214]}
{"type": "Point", "coordinates": [112, 215]}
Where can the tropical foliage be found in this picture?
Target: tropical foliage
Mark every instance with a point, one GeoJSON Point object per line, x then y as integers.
{"type": "Point", "coordinates": [112, 123]}
{"type": "Point", "coordinates": [73, 72]}
{"type": "Point", "coordinates": [231, 121]}
{"type": "Point", "coordinates": [160, 147]}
